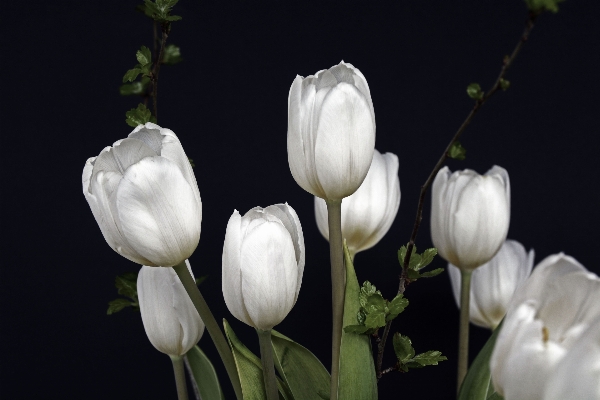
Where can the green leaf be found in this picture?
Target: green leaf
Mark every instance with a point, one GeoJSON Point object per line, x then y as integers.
{"type": "Point", "coordinates": [366, 291]}
{"type": "Point", "coordinates": [205, 379]}
{"type": "Point", "coordinates": [117, 305]}
{"type": "Point", "coordinates": [427, 257]}
{"type": "Point", "coordinates": [504, 84]}
{"type": "Point", "coordinates": [144, 56]}
{"type": "Point", "coordinates": [249, 369]}
{"type": "Point", "coordinates": [131, 88]}
{"type": "Point", "coordinates": [131, 75]}
{"type": "Point", "coordinates": [201, 279]}
{"type": "Point", "coordinates": [403, 348]}
{"type": "Point", "coordinates": [476, 385]}
{"type": "Point", "coordinates": [171, 55]}
{"type": "Point", "coordinates": [457, 152]}
{"type": "Point", "coordinates": [139, 116]}
{"type": "Point", "coordinates": [172, 18]}
{"type": "Point", "coordinates": [357, 380]}
{"type": "Point", "coordinates": [432, 273]}
{"type": "Point", "coordinates": [304, 374]}
{"type": "Point", "coordinates": [474, 91]}
{"type": "Point", "coordinates": [543, 5]}
{"type": "Point", "coordinates": [127, 285]}
{"type": "Point", "coordinates": [431, 357]}
{"type": "Point", "coordinates": [396, 306]}
{"type": "Point", "coordinates": [375, 319]}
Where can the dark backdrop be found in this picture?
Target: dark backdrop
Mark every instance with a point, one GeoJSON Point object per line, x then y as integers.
{"type": "Point", "coordinates": [62, 63]}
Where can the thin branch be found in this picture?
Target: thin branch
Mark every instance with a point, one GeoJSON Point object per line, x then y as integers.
{"type": "Point", "coordinates": [156, 68]}
{"type": "Point", "coordinates": [507, 62]}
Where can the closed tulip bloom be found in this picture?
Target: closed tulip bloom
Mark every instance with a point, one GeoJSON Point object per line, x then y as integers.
{"type": "Point", "coordinates": [546, 317]}
{"type": "Point", "coordinates": [331, 131]}
{"type": "Point", "coordinates": [170, 319]}
{"type": "Point", "coordinates": [263, 263]}
{"type": "Point", "coordinates": [577, 376]}
{"type": "Point", "coordinates": [143, 194]}
{"type": "Point", "coordinates": [494, 283]}
{"type": "Point", "coordinates": [470, 214]}
{"type": "Point", "coordinates": [367, 214]}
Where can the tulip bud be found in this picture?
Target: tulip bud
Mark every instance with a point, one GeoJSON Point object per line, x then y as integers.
{"type": "Point", "coordinates": [494, 283]}
{"type": "Point", "coordinates": [545, 318]}
{"type": "Point", "coordinates": [367, 214]}
{"type": "Point", "coordinates": [470, 214]}
{"type": "Point", "coordinates": [170, 319]}
{"type": "Point", "coordinates": [331, 131]}
{"type": "Point", "coordinates": [577, 376]}
{"type": "Point", "coordinates": [143, 194]}
{"type": "Point", "coordinates": [263, 263]}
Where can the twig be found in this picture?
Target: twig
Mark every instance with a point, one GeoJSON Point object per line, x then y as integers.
{"type": "Point", "coordinates": [506, 63]}
{"type": "Point", "coordinates": [165, 28]}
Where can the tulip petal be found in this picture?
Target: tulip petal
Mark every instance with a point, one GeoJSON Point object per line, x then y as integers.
{"type": "Point", "coordinates": [192, 326]}
{"type": "Point", "coordinates": [232, 273]}
{"type": "Point", "coordinates": [158, 211]}
{"type": "Point", "coordinates": [269, 273]}
{"type": "Point", "coordinates": [345, 141]}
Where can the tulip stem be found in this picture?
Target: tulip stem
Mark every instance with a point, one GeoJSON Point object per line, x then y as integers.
{"type": "Point", "coordinates": [463, 331]}
{"type": "Point", "coordinates": [216, 334]}
{"type": "Point", "coordinates": [179, 377]}
{"type": "Point", "coordinates": [266, 357]}
{"type": "Point", "coordinates": [338, 287]}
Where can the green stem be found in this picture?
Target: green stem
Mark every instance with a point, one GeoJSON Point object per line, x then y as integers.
{"type": "Point", "coordinates": [463, 331]}
{"type": "Point", "coordinates": [179, 377]}
{"type": "Point", "coordinates": [266, 357]}
{"type": "Point", "coordinates": [211, 325]}
{"type": "Point", "coordinates": [338, 287]}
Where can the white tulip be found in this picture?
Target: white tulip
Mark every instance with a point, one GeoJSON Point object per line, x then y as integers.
{"type": "Point", "coordinates": [331, 131]}
{"type": "Point", "coordinates": [494, 283]}
{"type": "Point", "coordinates": [470, 214]}
{"type": "Point", "coordinates": [263, 263]}
{"type": "Point", "coordinates": [367, 214]}
{"type": "Point", "coordinates": [170, 319]}
{"type": "Point", "coordinates": [144, 196]}
{"type": "Point", "coordinates": [546, 317]}
{"type": "Point", "coordinates": [577, 376]}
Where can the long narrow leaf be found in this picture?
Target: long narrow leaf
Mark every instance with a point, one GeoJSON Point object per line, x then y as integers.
{"type": "Point", "coordinates": [204, 374]}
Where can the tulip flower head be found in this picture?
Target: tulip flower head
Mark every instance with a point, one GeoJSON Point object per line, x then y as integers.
{"type": "Point", "coordinates": [494, 283]}
{"type": "Point", "coordinates": [470, 214]}
{"type": "Point", "coordinates": [143, 194]}
{"type": "Point", "coordinates": [170, 319]}
{"type": "Point", "coordinates": [545, 319]}
{"type": "Point", "coordinates": [263, 263]}
{"type": "Point", "coordinates": [367, 214]}
{"type": "Point", "coordinates": [331, 131]}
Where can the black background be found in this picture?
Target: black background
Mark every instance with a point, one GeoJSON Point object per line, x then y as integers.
{"type": "Point", "coordinates": [62, 63]}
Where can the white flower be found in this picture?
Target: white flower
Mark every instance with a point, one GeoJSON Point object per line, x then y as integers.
{"type": "Point", "coordinates": [263, 263]}
{"type": "Point", "coordinates": [170, 319]}
{"type": "Point", "coordinates": [143, 194]}
{"type": "Point", "coordinates": [546, 317]}
{"type": "Point", "coordinates": [331, 131]}
{"type": "Point", "coordinates": [470, 214]}
{"type": "Point", "coordinates": [367, 214]}
{"type": "Point", "coordinates": [494, 283]}
{"type": "Point", "coordinates": [577, 376]}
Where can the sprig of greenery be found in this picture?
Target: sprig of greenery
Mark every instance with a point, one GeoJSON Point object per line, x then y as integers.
{"type": "Point", "coordinates": [418, 262]}
{"type": "Point", "coordinates": [405, 353]}
{"type": "Point", "coordinates": [127, 286]}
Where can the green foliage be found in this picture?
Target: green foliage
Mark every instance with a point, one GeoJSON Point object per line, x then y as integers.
{"type": "Point", "coordinates": [504, 84]}
{"type": "Point", "coordinates": [171, 55]}
{"type": "Point", "coordinates": [126, 285]}
{"type": "Point", "coordinates": [138, 88]}
{"type": "Point", "coordinates": [543, 5]}
{"type": "Point", "coordinates": [474, 91]}
{"type": "Point", "coordinates": [304, 374]}
{"type": "Point", "coordinates": [357, 379]}
{"type": "Point", "coordinates": [477, 385]}
{"type": "Point", "coordinates": [249, 369]}
{"type": "Point", "coordinates": [160, 10]}
{"type": "Point", "coordinates": [457, 151]}
{"type": "Point", "coordinates": [204, 376]}
{"type": "Point", "coordinates": [375, 311]}
{"type": "Point", "coordinates": [201, 279]}
{"type": "Point", "coordinates": [405, 353]}
{"type": "Point", "coordinates": [144, 56]}
{"type": "Point", "coordinates": [417, 262]}
{"type": "Point", "coordinates": [144, 66]}
{"type": "Point", "coordinates": [139, 116]}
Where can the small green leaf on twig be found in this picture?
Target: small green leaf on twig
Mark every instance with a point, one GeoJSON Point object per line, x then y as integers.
{"type": "Point", "coordinates": [160, 10]}
{"type": "Point", "coordinates": [474, 91]}
{"type": "Point", "coordinates": [457, 152]}
{"type": "Point", "coordinates": [504, 84]}
{"type": "Point", "coordinates": [201, 279]}
{"type": "Point", "coordinates": [144, 56]}
{"type": "Point", "coordinates": [417, 262]}
{"type": "Point", "coordinates": [139, 116]}
{"type": "Point", "coordinates": [543, 5]}
{"type": "Point", "coordinates": [127, 286]}
{"type": "Point", "coordinates": [172, 55]}
{"type": "Point", "coordinates": [405, 353]}
{"type": "Point", "coordinates": [131, 75]}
